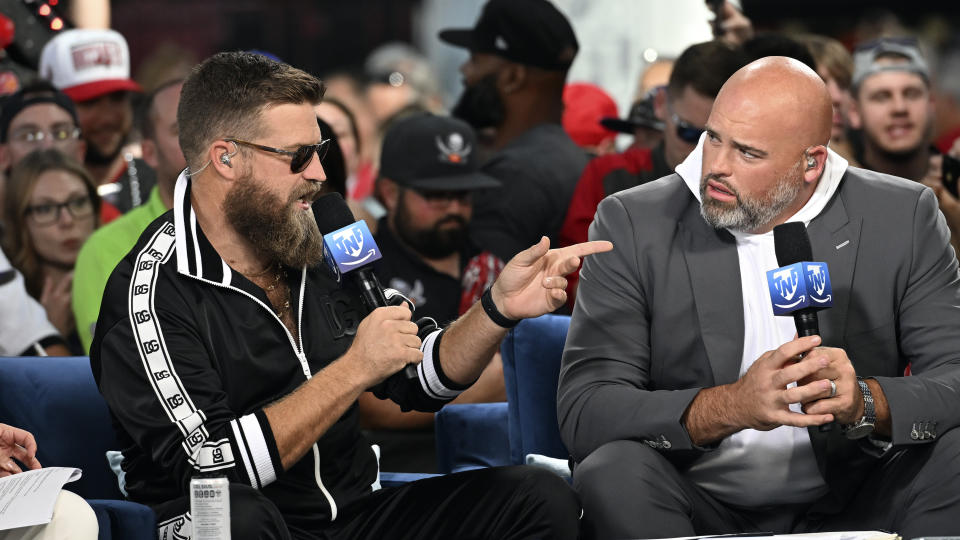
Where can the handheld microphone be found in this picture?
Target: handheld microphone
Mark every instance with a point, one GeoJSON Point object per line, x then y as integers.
{"type": "Point", "coordinates": [348, 246]}
{"type": "Point", "coordinates": [799, 287]}
{"type": "Point", "coordinates": [349, 250]}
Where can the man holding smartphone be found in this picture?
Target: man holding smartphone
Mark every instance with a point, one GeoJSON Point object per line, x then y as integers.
{"type": "Point", "coordinates": [894, 108]}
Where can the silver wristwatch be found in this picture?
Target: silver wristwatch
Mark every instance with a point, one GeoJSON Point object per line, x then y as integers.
{"type": "Point", "coordinates": [863, 427]}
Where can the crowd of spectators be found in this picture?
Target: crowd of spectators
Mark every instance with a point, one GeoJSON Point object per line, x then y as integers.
{"type": "Point", "coordinates": [89, 157]}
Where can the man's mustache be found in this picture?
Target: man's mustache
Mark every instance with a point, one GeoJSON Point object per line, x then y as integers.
{"type": "Point", "coordinates": [718, 179]}
{"type": "Point", "coordinates": [453, 219]}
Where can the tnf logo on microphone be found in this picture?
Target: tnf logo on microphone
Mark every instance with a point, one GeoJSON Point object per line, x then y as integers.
{"type": "Point", "coordinates": [798, 286]}
{"type": "Point", "coordinates": [350, 247]}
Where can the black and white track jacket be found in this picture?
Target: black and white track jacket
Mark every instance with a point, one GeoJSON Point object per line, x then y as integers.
{"type": "Point", "coordinates": [188, 353]}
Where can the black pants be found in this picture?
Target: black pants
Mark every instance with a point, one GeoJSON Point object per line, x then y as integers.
{"type": "Point", "coordinates": [498, 503]}
{"type": "Point", "coordinates": [630, 490]}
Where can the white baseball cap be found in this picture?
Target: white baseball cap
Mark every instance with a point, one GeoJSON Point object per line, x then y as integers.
{"type": "Point", "coordinates": [86, 64]}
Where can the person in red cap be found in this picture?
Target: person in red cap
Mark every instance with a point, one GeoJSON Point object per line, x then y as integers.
{"type": "Point", "coordinates": [584, 105]}
{"type": "Point", "coordinates": [92, 67]}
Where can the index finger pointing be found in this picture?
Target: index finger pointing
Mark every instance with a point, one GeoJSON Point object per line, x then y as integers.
{"type": "Point", "coordinates": [587, 248]}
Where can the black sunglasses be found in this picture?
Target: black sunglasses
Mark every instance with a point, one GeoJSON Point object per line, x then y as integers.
{"type": "Point", "coordinates": [443, 198]}
{"type": "Point", "coordinates": [299, 158]}
{"type": "Point", "coordinates": [686, 131]}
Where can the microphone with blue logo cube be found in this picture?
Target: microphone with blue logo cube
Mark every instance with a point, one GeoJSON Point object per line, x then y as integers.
{"type": "Point", "coordinates": [352, 249]}
{"type": "Point", "coordinates": [800, 287]}
{"type": "Point", "coordinates": [349, 250]}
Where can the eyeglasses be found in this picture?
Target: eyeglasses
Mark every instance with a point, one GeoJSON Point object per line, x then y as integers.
{"type": "Point", "coordinates": [442, 199]}
{"type": "Point", "coordinates": [45, 214]}
{"type": "Point", "coordinates": [37, 136]}
{"type": "Point", "coordinates": [300, 158]}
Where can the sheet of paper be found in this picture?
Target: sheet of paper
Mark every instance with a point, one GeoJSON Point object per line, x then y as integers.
{"type": "Point", "coordinates": [27, 498]}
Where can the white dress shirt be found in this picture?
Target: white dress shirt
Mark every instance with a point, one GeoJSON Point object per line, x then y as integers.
{"type": "Point", "coordinates": [760, 468]}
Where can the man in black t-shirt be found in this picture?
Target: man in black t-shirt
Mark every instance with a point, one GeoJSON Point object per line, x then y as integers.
{"type": "Point", "coordinates": [520, 53]}
{"type": "Point", "coordinates": [429, 170]}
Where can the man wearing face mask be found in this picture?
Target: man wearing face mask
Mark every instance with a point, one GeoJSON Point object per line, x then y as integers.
{"type": "Point", "coordinates": [519, 56]}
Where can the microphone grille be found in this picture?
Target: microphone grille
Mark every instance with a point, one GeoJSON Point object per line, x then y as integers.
{"type": "Point", "coordinates": [332, 213]}
{"type": "Point", "coordinates": [791, 243]}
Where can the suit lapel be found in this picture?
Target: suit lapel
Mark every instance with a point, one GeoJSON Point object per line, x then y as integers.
{"type": "Point", "coordinates": [835, 240]}
{"type": "Point", "coordinates": [714, 268]}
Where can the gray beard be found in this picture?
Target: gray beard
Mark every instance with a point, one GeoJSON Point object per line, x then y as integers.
{"type": "Point", "coordinates": [750, 214]}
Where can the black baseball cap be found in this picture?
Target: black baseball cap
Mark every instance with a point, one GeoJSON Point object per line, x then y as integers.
{"type": "Point", "coordinates": [433, 153]}
{"type": "Point", "coordinates": [529, 32]}
{"type": "Point", "coordinates": [40, 91]}
{"type": "Point", "coordinates": [641, 116]}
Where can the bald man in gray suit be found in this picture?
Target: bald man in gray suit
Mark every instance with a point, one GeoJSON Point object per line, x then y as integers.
{"type": "Point", "coordinates": [689, 408]}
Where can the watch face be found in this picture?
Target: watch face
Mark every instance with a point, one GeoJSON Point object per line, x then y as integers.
{"type": "Point", "coordinates": [859, 430]}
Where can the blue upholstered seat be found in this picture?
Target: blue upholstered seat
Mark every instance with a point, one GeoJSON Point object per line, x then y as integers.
{"type": "Point", "coordinates": [472, 436]}
{"type": "Point", "coordinates": [56, 399]}
{"type": "Point", "coordinates": [531, 368]}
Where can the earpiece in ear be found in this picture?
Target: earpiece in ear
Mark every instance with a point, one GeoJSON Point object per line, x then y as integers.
{"type": "Point", "coordinates": [811, 163]}
{"type": "Point", "coordinates": [225, 159]}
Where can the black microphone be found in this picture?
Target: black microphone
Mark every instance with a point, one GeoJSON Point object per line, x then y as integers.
{"type": "Point", "coordinates": [792, 245]}
{"type": "Point", "coordinates": [349, 249]}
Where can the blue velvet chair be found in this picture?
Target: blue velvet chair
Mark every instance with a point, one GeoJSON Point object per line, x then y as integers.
{"type": "Point", "coordinates": [531, 368]}
{"type": "Point", "coordinates": [57, 400]}
{"type": "Point", "coordinates": [471, 436]}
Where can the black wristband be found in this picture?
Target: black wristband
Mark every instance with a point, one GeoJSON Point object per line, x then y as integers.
{"type": "Point", "coordinates": [486, 300]}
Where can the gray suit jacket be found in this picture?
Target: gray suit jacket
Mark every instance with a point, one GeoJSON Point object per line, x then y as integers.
{"type": "Point", "coordinates": [661, 316]}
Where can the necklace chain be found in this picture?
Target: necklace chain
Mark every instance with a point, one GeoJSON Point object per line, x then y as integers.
{"type": "Point", "coordinates": [269, 267]}
{"type": "Point", "coordinates": [279, 280]}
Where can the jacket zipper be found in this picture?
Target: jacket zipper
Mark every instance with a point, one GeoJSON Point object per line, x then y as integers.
{"type": "Point", "coordinates": [298, 351]}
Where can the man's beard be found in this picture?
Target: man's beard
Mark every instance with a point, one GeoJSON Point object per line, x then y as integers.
{"type": "Point", "coordinates": [750, 213]}
{"type": "Point", "coordinates": [480, 105]}
{"type": "Point", "coordinates": [436, 242]}
{"type": "Point", "coordinates": [94, 156]}
{"type": "Point", "coordinates": [274, 227]}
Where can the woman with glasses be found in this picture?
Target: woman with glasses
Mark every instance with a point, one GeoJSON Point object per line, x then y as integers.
{"type": "Point", "coordinates": [51, 208]}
